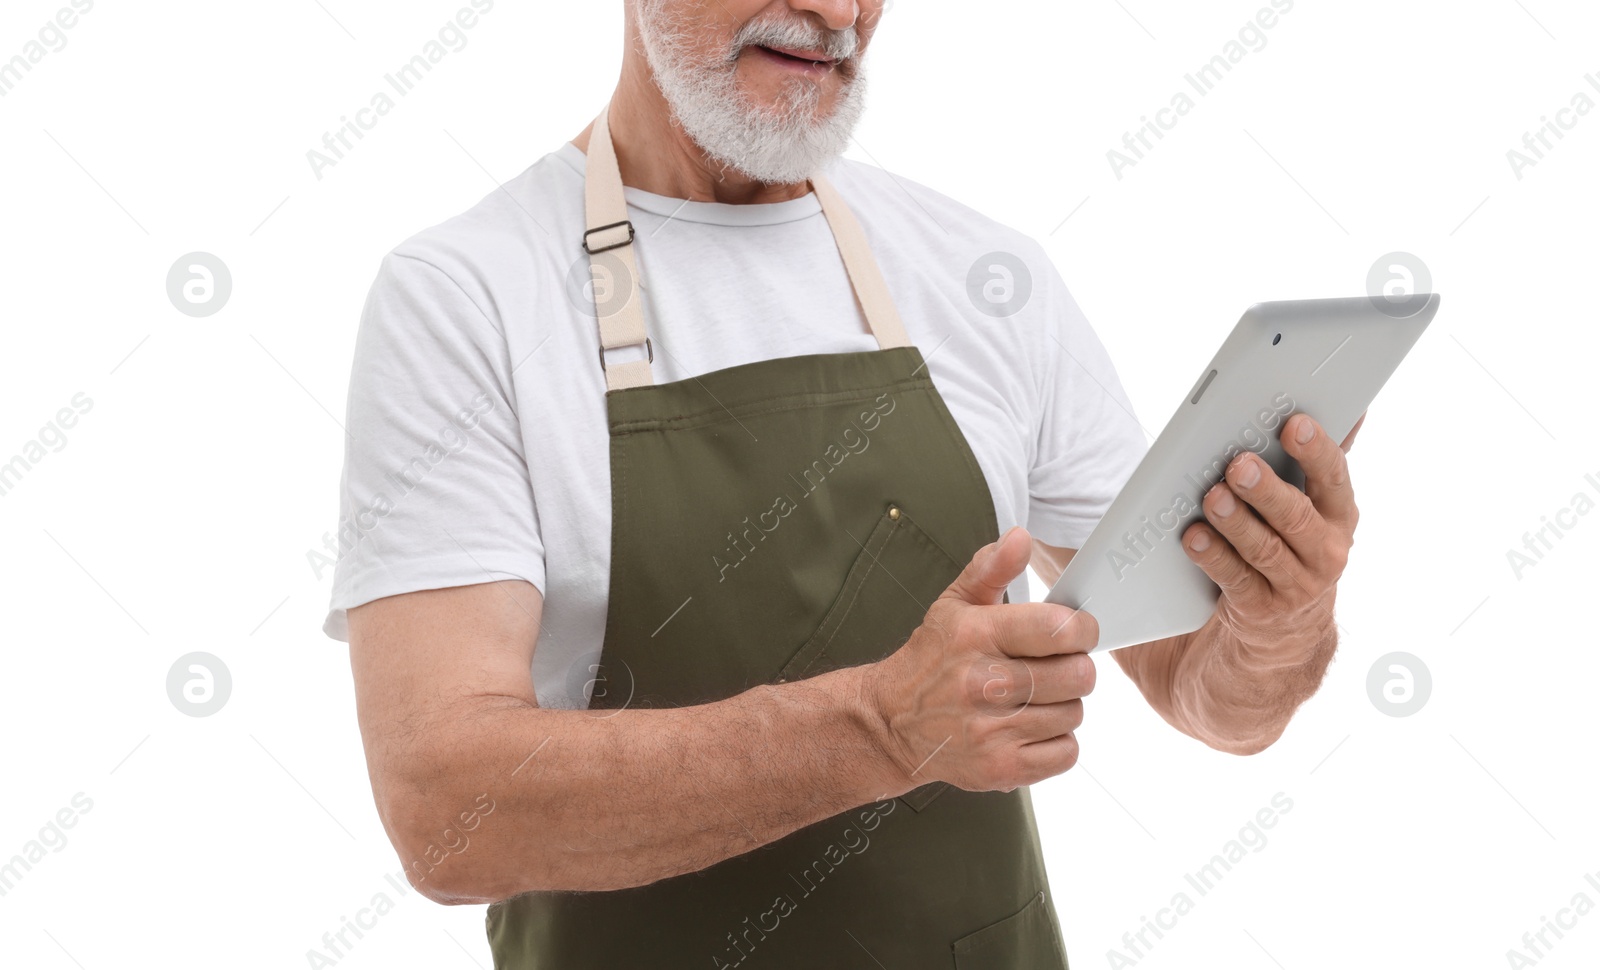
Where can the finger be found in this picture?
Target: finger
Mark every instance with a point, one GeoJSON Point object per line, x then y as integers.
{"type": "Point", "coordinates": [1002, 686]}
{"type": "Point", "coordinates": [1048, 758]}
{"type": "Point", "coordinates": [1055, 680]}
{"type": "Point", "coordinates": [1350, 438]}
{"type": "Point", "coordinates": [1041, 722]}
{"type": "Point", "coordinates": [1042, 629]}
{"type": "Point", "coordinates": [984, 580]}
{"type": "Point", "coordinates": [1327, 474]}
{"type": "Point", "coordinates": [1282, 507]}
{"type": "Point", "coordinates": [1240, 582]}
{"type": "Point", "coordinates": [1252, 539]}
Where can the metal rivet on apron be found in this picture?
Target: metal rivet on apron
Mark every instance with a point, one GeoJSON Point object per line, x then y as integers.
{"type": "Point", "coordinates": [894, 512]}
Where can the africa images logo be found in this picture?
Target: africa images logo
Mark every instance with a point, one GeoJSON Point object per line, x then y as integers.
{"type": "Point", "coordinates": [1256, 436]}
{"type": "Point", "coordinates": [853, 440]}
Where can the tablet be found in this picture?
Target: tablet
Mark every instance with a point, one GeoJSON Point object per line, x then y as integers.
{"type": "Point", "coordinates": [1327, 358]}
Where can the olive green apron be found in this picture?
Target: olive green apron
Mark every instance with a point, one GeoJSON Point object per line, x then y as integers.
{"type": "Point", "coordinates": [772, 521]}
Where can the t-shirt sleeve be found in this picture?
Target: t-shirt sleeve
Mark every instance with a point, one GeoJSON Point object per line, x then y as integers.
{"type": "Point", "coordinates": [1089, 440]}
{"type": "Point", "coordinates": [435, 490]}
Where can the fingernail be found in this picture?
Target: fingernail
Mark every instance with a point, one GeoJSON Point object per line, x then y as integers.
{"type": "Point", "coordinates": [1249, 471]}
{"type": "Point", "coordinates": [994, 547]}
{"type": "Point", "coordinates": [1308, 430]}
{"type": "Point", "coordinates": [1224, 505]}
{"type": "Point", "coordinates": [1201, 542]}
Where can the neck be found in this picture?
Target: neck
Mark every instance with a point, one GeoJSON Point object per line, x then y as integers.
{"type": "Point", "coordinates": [658, 156]}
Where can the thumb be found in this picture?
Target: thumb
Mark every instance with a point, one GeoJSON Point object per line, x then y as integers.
{"type": "Point", "coordinates": [983, 582]}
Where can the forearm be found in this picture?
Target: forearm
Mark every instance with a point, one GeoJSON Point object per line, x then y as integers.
{"type": "Point", "coordinates": [1231, 694]}
{"type": "Point", "coordinates": [592, 800]}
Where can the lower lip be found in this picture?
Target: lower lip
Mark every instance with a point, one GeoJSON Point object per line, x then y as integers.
{"type": "Point", "coordinates": [808, 68]}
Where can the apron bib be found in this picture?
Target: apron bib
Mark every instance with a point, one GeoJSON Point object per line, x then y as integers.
{"type": "Point", "coordinates": [770, 522]}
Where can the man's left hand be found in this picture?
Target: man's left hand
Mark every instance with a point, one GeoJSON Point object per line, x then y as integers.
{"type": "Point", "coordinates": [1278, 552]}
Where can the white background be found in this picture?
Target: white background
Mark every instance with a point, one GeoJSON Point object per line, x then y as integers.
{"type": "Point", "coordinates": [178, 516]}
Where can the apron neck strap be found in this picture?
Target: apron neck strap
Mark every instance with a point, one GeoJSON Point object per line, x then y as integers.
{"type": "Point", "coordinates": [618, 305]}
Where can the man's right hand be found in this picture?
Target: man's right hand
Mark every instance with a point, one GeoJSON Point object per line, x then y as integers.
{"type": "Point", "coordinates": [981, 696]}
{"type": "Point", "coordinates": [985, 695]}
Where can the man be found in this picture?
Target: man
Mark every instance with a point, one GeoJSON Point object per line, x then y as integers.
{"type": "Point", "coordinates": [683, 567]}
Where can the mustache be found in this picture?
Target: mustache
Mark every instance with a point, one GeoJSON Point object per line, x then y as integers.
{"type": "Point", "coordinates": [837, 45]}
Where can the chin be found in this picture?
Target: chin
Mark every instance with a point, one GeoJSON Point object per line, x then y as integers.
{"type": "Point", "coordinates": [793, 101]}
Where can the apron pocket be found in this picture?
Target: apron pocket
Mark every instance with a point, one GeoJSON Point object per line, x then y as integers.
{"type": "Point", "coordinates": [1026, 940]}
{"type": "Point", "coordinates": [896, 576]}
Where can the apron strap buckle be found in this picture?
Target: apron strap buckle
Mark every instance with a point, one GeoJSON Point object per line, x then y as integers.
{"type": "Point", "coordinates": [592, 250]}
{"type": "Point", "coordinates": [648, 347]}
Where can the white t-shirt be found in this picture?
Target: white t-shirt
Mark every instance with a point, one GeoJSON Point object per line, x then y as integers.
{"type": "Point", "coordinates": [478, 448]}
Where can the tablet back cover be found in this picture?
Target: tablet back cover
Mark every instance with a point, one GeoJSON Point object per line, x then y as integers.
{"type": "Point", "coordinates": [1327, 358]}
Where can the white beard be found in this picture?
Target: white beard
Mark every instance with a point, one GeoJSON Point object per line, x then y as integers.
{"type": "Point", "coordinates": [785, 144]}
